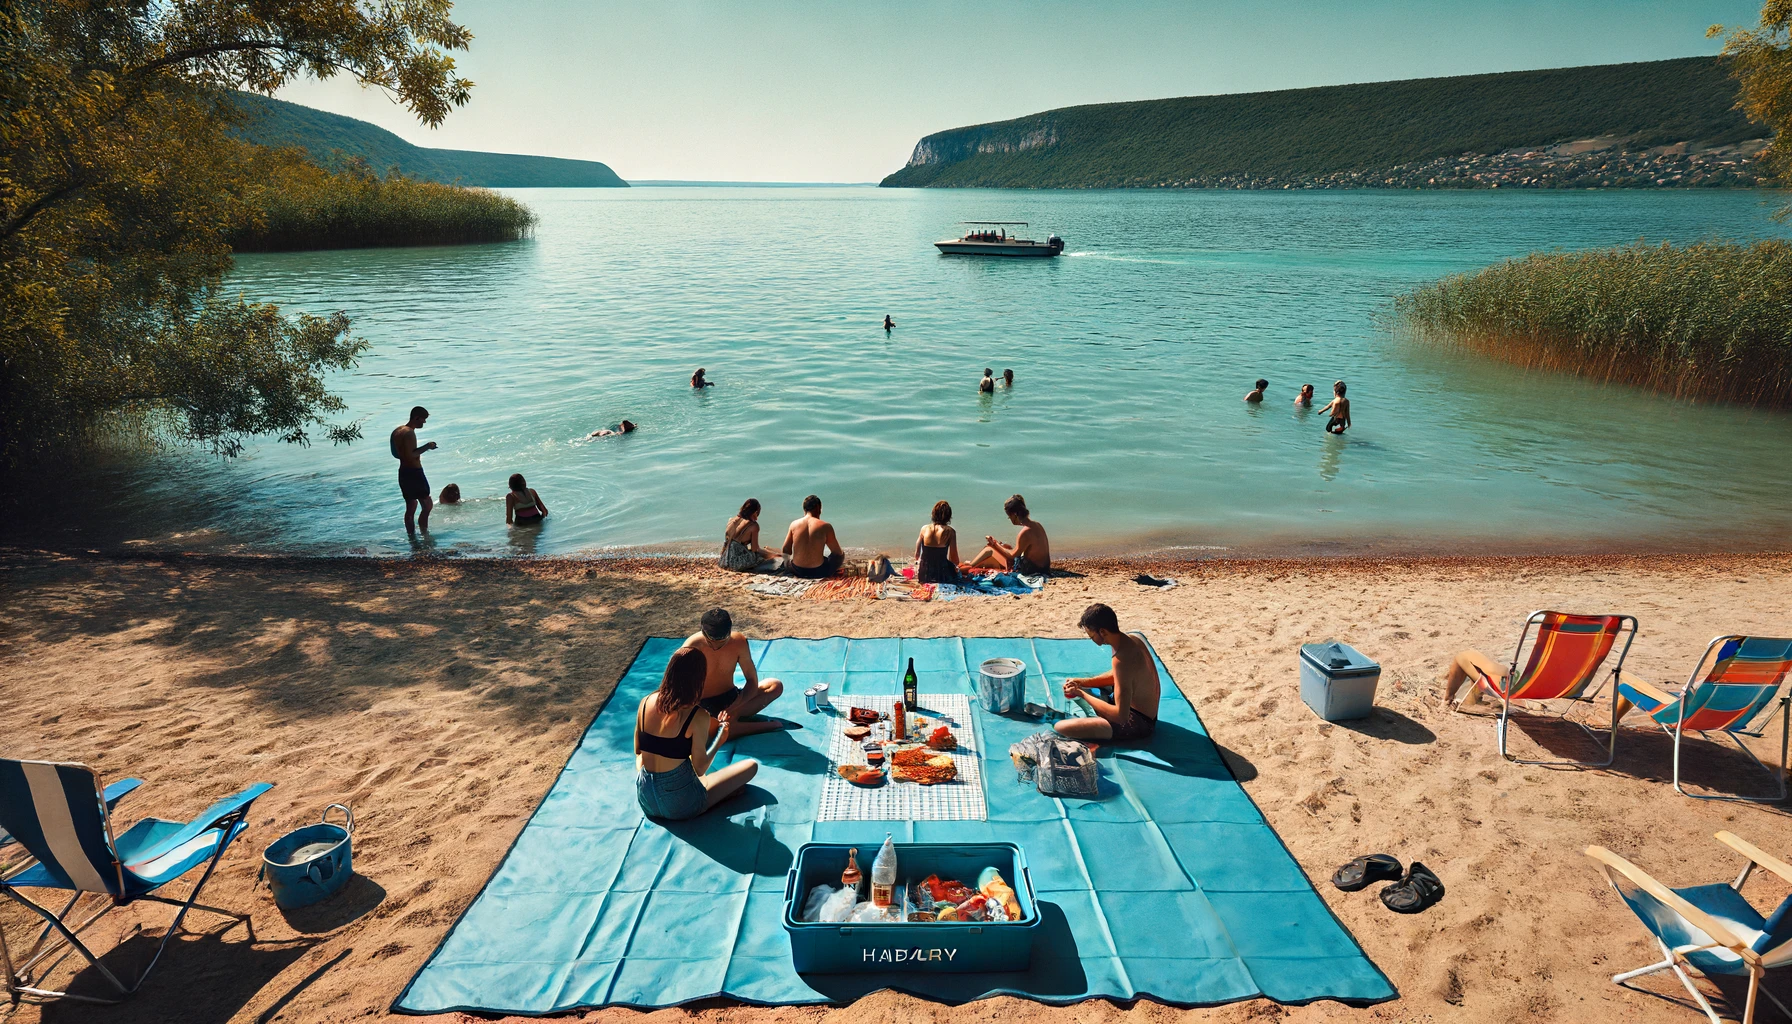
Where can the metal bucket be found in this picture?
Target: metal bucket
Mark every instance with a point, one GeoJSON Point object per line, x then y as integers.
{"type": "Point", "coordinates": [309, 864]}
{"type": "Point", "coordinates": [1002, 685]}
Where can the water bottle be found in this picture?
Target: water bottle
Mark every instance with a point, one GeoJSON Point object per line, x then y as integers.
{"type": "Point", "coordinates": [909, 686]}
{"type": "Point", "coordinates": [883, 874]}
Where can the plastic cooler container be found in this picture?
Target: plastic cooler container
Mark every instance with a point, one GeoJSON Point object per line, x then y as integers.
{"type": "Point", "coordinates": [1336, 681]}
{"type": "Point", "coordinates": [1002, 685]}
{"type": "Point", "coordinates": [923, 947]}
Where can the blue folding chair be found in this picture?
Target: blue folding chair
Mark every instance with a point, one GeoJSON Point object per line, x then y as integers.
{"type": "Point", "coordinates": [1709, 928]}
{"type": "Point", "coordinates": [13, 858]}
{"type": "Point", "coordinates": [59, 814]}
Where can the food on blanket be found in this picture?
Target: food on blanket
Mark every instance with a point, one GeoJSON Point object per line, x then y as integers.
{"type": "Point", "coordinates": [861, 774]}
{"type": "Point", "coordinates": [874, 754]}
{"type": "Point", "coordinates": [942, 739]}
{"type": "Point", "coordinates": [912, 756]}
{"type": "Point", "coordinates": [857, 732]}
{"type": "Point", "coordinates": [863, 716]}
{"type": "Point", "coordinates": [941, 769]}
{"type": "Point", "coordinates": [991, 884]}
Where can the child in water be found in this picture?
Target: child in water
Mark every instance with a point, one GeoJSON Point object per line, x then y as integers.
{"type": "Point", "coordinates": [1256, 394]}
{"type": "Point", "coordinates": [1339, 409]}
{"type": "Point", "coordinates": [450, 495]}
{"type": "Point", "coordinates": [1305, 398]}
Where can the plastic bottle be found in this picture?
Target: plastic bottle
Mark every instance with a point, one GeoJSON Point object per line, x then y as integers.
{"type": "Point", "coordinates": [910, 687]}
{"type": "Point", "coordinates": [852, 876]}
{"type": "Point", "coordinates": [883, 873]}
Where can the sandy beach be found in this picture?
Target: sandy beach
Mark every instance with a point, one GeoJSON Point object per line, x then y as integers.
{"type": "Point", "coordinates": [441, 699]}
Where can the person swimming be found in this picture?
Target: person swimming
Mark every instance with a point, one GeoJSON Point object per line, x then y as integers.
{"type": "Point", "coordinates": [1339, 410]}
{"type": "Point", "coordinates": [988, 384]}
{"type": "Point", "coordinates": [698, 382]}
{"type": "Point", "coordinates": [625, 427]}
{"type": "Point", "coordinates": [522, 506]}
{"type": "Point", "coordinates": [1007, 378]}
{"type": "Point", "coordinates": [1256, 394]}
{"type": "Point", "coordinates": [1305, 398]}
{"type": "Point", "coordinates": [450, 495]}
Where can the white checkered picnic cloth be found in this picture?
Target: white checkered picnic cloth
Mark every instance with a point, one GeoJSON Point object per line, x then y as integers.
{"type": "Point", "coordinates": [959, 800]}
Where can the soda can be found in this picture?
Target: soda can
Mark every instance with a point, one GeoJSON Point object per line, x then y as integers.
{"type": "Point", "coordinates": [811, 698]}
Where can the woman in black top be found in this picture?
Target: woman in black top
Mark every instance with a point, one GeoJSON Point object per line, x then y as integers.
{"type": "Point", "coordinates": [936, 550]}
{"type": "Point", "coordinates": [672, 748]}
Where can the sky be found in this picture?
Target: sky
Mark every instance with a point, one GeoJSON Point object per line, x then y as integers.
{"type": "Point", "coordinates": [809, 90]}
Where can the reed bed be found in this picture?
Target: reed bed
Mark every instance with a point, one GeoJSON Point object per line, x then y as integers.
{"type": "Point", "coordinates": [302, 206]}
{"type": "Point", "coordinates": [1708, 321]}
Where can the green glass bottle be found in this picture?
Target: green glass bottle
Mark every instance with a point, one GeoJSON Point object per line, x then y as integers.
{"type": "Point", "coordinates": [910, 687]}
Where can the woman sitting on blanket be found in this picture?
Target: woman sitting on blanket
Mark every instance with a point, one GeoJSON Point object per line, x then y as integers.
{"type": "Point", "coordinates": [740, 541]}
{"type": "Point", "coordinates": [936, 550]}
{"type": "Point", "coordinates": [672, 748]}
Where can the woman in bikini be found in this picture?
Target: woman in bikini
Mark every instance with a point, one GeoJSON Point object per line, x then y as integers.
{"type": "Point", "coordinates": [672, 748]}
{"type": "Point", "coordinates": [936, 550]}
{"type": "Point", "coordinates": [522, 506]}
{"type": "Point", "coordinates": [740, 541]}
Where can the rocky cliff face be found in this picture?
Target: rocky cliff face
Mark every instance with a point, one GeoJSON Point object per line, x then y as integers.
{"type": "Point", "coordinates": [963, 143]}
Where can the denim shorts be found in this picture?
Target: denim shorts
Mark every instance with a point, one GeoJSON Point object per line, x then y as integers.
{"type": "Point", "coordinates": [674, 795]}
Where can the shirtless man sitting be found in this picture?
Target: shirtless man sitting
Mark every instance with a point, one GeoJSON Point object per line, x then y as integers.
{"type": "Point", "coordinates": [1031, 553]}
{"type": "Point", "coordinates": [1132, 713]}
{"type": "Point", "coordinates": [811, 550]}
{"type": "Point", "coordinates": [723, 649]}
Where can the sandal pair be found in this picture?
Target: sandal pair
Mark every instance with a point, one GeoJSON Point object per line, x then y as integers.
{"type": "Point", "coordinates": [1414, 889]}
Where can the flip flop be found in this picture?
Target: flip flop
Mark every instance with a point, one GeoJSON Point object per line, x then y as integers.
{"type": "Point", "coordinates": [1417, 891]}
{"type": "Point", "coordinates": [1361, 872]}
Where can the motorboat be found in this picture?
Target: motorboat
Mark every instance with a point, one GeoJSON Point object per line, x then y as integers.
{"type": "Point", "coordinates": [992, 238]}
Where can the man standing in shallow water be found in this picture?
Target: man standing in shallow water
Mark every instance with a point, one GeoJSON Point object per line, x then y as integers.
{"type": "Point", "coordinates": [411, 481]}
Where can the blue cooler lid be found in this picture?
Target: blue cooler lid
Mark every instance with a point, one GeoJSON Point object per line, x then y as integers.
{"type": "Point", "coordinates": [1336, 659]}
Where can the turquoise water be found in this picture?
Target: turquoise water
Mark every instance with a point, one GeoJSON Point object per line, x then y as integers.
{"type": "Point", "coordinates": [1125, 429]}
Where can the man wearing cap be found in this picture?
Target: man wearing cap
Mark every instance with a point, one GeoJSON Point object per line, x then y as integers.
{"type": "Point", "coordinates": [723, 649]}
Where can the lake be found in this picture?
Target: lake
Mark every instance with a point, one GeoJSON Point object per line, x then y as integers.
{"type": "Point", "coordinates": [1125, 429]}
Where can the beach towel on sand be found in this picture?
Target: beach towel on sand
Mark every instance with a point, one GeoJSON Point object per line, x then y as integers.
{"type": "Point", "coordinates": [1169, 884]}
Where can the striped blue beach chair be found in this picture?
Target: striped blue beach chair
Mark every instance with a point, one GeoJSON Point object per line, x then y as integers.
{"type": "Point", "coordinates": [1743, 679]}
{"type": "Point", "coordinates": [1709, 928]}
{"type": "Point", "coordinates": [58, 814]}
{"type": "Point", "coordinates": [13, 857]}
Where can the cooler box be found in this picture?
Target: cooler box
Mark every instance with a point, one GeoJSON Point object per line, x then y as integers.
{"type": "Point", "coordinates": [923, 947]}
{"type": "Point", "coordinates": [1002, 685]}
{"type": "Point", "coordinates": [1336, 681]}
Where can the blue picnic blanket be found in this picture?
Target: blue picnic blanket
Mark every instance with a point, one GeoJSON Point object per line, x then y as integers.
{"type": "Point", "coordinates": [1169, 885]}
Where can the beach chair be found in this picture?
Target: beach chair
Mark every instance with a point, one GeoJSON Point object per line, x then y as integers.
{"type": "Point", "coordinates": [58, 814]}
{"type": "Point", "coordinates": [1566, 656]}
{"type": "Point", "coordinates": [13, 857]}
{"type": "Point", "coordinates": [1744, 677]}
{"type": "Point", "coordinates": [1710, 928]}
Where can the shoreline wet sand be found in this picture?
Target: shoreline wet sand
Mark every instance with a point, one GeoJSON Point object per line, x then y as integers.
{"type": "Point", "coordinates": [441, 697]}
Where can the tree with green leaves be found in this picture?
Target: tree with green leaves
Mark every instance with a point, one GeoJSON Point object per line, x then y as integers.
{"type": "Point", "coordinates": [119, 182]}
{"type": "Point", "coordinates": [1762, 62]}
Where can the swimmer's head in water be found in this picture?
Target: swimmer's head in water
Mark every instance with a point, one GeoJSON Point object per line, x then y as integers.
{"type": "Point", "coordinates": [625, 427]}
{"type": "Point", "coordinates": [517, 483]}
{"type": "Point", "coordinates": [451, 494]}
{"type": "Point", "coordinates": [812, 505]}
{"type": "Point", "coordinates": [1016, 507]}
{"type": "Point", "coordinates": [987, 372]}
{"type": "Point", "coordinates": [1338, 388]}
{"type": "Point", "coordinates": [1306, 390]}
{"type": "Point", "coordinates": [1008, 375]}
{"type": "Point", "coordinates": [749, 508]}
{"type": "Point", "coordinates": [942, 512]}
{"type": "Point", "coordinates": [717, 624]}
{"type": "Point", "coordinates": [418, 415]}
{"type": "Point", "coordinates": [1261, 384]}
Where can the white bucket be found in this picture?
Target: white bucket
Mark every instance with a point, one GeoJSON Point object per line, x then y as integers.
{"type": "Point", "coordinates": [1002, 685]}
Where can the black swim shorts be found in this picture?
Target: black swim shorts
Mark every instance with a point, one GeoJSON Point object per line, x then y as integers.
{"type": "Point", "coordinates": [412, 483]}
{"type": "Point", "coordinates": [1025, 566]}
{"type": "Point", "coordinates": [720, 702]}
{"type": "Point", "coordinates": [1135, 726]}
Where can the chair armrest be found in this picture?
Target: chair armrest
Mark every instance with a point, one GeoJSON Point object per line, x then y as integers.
{"type": "Point", "coordinates": [119, 790]}
{"type": "Point", "coordinates": [1697, 918]}
{"type": "Point", "coordinates": [1747, 849]}
{"type": "Point", "coordinates": [236, 803]}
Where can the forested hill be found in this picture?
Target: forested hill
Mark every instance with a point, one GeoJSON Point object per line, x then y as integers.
{"type": "Point", "coordinates": [330, 138]}
{"type": "Point", "coordinates": [1628, 120]}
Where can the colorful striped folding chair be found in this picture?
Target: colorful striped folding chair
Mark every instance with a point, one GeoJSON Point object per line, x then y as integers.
{"type": "Point", "coordinates": [58, 813]}
{"type": "Point", "coordinates": [13, 857]}
{"type": "Point", "coordinates": [1709, 928]}
{"type": "Point", "coordinates": [1745, 675]}
{"type": "Point", "coordinates": [1566, 656]}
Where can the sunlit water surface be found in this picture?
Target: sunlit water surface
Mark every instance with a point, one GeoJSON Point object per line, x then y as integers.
{"type": "Point", "coordinates": [1125, 429]}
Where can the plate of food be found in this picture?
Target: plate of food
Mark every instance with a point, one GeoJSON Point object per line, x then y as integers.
{"type": "Point", "coordinates": [861, 774]}
{"type": "Point", "coordinates": [923, 766]}
{"type": "Point", "coordinates": [857, 732]}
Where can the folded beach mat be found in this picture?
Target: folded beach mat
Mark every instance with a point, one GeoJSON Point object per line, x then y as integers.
{"type": "Point", "coordinates": [1169, 885]}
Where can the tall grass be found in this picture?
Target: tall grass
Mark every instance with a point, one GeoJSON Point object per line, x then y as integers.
{"type": "Point", "coordinates": [299, 205]}
{"type": "Point", "coordinates": [1712, 320]}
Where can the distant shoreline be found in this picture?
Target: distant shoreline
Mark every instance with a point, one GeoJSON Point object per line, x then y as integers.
{"type": "Point", "coordinates": [674, 183]}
